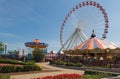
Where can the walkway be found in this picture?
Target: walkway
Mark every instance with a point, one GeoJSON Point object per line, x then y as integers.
{"type": "Point", "coordinates": [109, 70]}
{"type": "Point", "coordinates": [47, 70]}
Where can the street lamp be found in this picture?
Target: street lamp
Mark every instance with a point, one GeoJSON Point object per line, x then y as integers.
{"type": "Point", "coordinates": [5, 47]}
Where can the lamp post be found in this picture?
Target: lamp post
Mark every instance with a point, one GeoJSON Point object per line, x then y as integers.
{"type": "Point", "coordinates": [5, 47]}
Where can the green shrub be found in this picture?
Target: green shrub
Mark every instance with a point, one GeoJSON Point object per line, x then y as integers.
{"type": "Point", "coordinates": [91, 72]}
{"type": "Point", "coordinates": [31, 68]}
{"type": "Point", "coordinates": [16, 62]}
{"type": "Point", "coordinates": [52, 62]}
{"type": "Point", "coordinates": [38, 68]}
{"type": "Point", "coordinates": [29, 63]}
{"type": "Point", "coordinates": [8, 69]}
{"type": "Point", "coordinates": [18, 69]}
{"type": "Point", "coordinates": [78, 65]}
{"type": "Point", "coordinates": [60, 62]}
{"type": "Point", "coordinates": [26, 66]}
{"type": "Point", "coordinates": [8, 61]}
{"type": "Point", "coordinates": [38, 55]}
{"type": "Point", "coordinates": [70, 64]}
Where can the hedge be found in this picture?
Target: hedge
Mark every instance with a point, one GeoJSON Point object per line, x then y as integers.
{"type": "Point", "coordinates": [59, 62]}
{"type": "Point", "coordinates": [25, 68]}
{"type": "Point", "coordinates": [9, 61]}
{"type": "Point", "coordinates": [14, 66]}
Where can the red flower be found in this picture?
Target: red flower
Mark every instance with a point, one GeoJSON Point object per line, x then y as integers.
{"type": "Point", "coordinates": [62, 76]}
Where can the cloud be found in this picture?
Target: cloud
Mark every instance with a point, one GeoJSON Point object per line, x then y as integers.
{"type": "Point", "coordinates": [7, 35]}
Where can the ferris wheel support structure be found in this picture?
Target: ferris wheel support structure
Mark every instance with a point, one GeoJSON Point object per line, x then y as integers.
{"type": "Point", "coordinates": [78, 33]}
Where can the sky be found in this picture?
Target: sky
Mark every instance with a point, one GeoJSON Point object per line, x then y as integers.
{"type": "Point", "coordinates": [25, 20]}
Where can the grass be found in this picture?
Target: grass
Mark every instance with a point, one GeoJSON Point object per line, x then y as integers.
{"type": "Point", "coordinates": [88, 76]}
{"type": "Point", "coordinates": [97, 75]}
{"type": "Point", "coordinates": [4, 76]}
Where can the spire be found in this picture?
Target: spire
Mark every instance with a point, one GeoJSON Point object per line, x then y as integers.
{"type": "Point", "coordinates": [93, 34]}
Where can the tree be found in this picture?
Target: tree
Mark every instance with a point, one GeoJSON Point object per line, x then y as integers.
{"type": "Point", "coordinates": [1, 47]}
{"type": "Point", "coordinates": [38, 55]}
{"type": "Point", "coordinates": [16, 54]}
{"type": "Point", "coordinates": [13, 54]}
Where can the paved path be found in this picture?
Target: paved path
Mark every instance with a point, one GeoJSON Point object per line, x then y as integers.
{"type": "Point", "coordinates": [106, 70]}
{"type": "Point", "coordinates": [47, 70]}
{"type": "Point", "coordinates": [110, 70]}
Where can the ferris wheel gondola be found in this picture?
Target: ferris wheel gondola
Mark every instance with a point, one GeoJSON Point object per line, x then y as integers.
{"type": "Point", "coordinates": [85, 16]}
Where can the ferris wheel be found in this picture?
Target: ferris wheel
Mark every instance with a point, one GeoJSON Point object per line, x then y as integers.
{"type": "Point", "coordinates": [79, 23]}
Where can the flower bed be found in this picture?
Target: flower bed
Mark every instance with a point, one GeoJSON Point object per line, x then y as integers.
{"type": "Point", "coordinates": [10, 65]}
{"type": "Point", "coordinates": [7, 66]}
{"type": "Point", "coordinates": [62, 76]}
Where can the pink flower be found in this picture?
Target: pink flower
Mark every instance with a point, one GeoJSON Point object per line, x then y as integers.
{"type": "Point", "coordinates": [5, 64]}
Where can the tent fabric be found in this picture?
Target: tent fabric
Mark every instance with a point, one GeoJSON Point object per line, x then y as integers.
{"type": "Point", "coordinates": [95, 42]}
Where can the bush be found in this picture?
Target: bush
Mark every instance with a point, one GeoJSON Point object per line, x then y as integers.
{"type": "Point", "coordinates": [78, 65]}
{"type": "Point", "coordinates": [8, 61]}
{"type": "Point", "coordinates": [8, 69]}
{"type": "Point", "coordinates": [38, 55]}
{"type": "Point", "coordinates": [70, 64]}
{"type": "Point", "coordinates": [16, 62]}
{"type": "Point", "coordinates": [52, 62]}
{"type": "Point", "coordinates": [31, 68]}
{"type": "Point", "coordinates": [29, 63]}
{"type": "Point", "coordinates": [59, 62]}
{"type": "Point", "coordinates": [24, 58]}
{"type": "Point", "coordinates": [18, 69]}
{"type": "Point", "coordinates": [17, 66]}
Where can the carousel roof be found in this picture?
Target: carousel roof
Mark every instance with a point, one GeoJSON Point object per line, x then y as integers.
{"type": "Point", "coordinates": [95, 42]}
{"type": "Point", "coordinates": [36, 41]}
{"type": "Point", "coordinates": [36, 44]}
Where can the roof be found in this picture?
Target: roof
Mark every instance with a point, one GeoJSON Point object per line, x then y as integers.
{"type": "Point", "coordinates": [36, 41]}
{"type": "Point", "coordinates": [95, 42]}
{"type": "Point", "coordinates": [36, 44]}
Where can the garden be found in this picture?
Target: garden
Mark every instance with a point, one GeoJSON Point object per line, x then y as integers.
{"type": "Point", "coordinates": [88, 75]}
{"type": "Point", "coordinates": [60, 62]}
{"type": "Point", "coordinates": [8, 65]}
{"type": "Point", "coordinates": [61, 76]}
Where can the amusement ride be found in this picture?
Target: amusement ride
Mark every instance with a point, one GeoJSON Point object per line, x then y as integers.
{"type": "Point", "coordinates": [83, 33]}
{"type": "Point", "coordinates": [78, 24]}
{"type": "Point", "coordinates": [36, 44]}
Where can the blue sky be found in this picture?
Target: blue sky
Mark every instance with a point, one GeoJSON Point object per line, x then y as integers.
{"type": "Point", "coordinates": [25, 20]}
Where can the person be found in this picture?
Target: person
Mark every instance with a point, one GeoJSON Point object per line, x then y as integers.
{"type": "Point", "coordinates": [101, 60]}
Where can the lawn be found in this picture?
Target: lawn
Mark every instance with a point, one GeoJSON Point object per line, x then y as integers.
{"type": "Point", "coordinates": [97, 75]}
